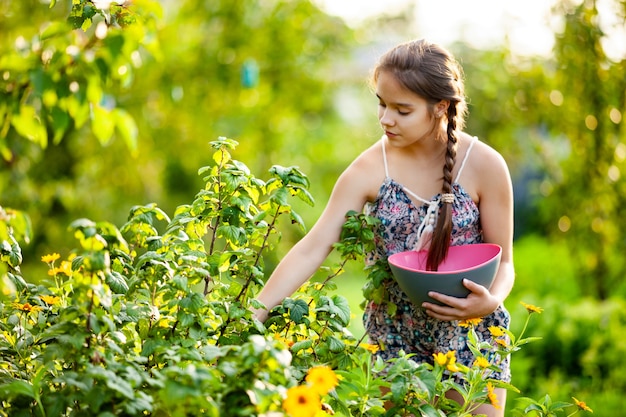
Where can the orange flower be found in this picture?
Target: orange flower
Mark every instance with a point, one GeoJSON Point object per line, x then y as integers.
{"type": "Point", "coordinates": [322, 379]}
{"type": "Point", "coordinates": [302, 401]}
{"type": "Point", "coordinates": [470, 322]}
{"type": "Point", "coordinates": [26, 307]}
{"type": "Point", "coordinates": [493, 398]}
{"type": "Point", "coordinates": [50, 258]}
{"type": "Point", "coordinates": [581, 405]}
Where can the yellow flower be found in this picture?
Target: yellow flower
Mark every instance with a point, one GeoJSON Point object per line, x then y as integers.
{"type": "Point", "coordinates": [65, 268]}
{"type": "Point", "coordinates": [531, 308]}
{"type": "Point", "coordinates": [496, 331]}
{"type": "Point", "coordinates": [49, 299]}
{"type": "Point", "coordinates": [440, 358]}
{"type": "Point", "coordinates": [302, 401]}
{"type": "Point", "coordinates": [164, 323]}
{"type": "Point", "coordinates": [493, 398]}
{"type": "Point", "coordinates": [581, 405]}
{"type": "Point", "coordinates": [448, 360]}
{"type": "Point", "coordinates": [470, 322]}
{"type": "Point", "coordinates": [372, 348]}
{"type": "Point", "coordinates": [322, 379]}
{"type": "Point", "coordinates": [481, 362]}
{"type": "Point", "coordinates": [451, 366]}
{"type": "Point", "coordinates": [283, 340]}
{"type": "Point", "coordinates": [50, 258]}
{"type": "Point", "coordinates": [26, 307]}
{"type": "Point", "coordinates": [502, 342]}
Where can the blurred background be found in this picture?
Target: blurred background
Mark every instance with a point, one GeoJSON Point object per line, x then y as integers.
{"type": "Point", "coordinates": [117, 110]}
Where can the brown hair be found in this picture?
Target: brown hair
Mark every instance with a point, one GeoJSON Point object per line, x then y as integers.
{"type": "Point", "coordinates": [431, 72]}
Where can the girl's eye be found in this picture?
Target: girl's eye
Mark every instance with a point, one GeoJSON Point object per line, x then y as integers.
{"type": "Point", "coordinates": [403, 113]}
{"type": "Point", "coordinates": [381, 105]}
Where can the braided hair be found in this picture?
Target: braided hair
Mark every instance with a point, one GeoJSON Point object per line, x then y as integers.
{"type": "Point", "coordinates": [431, 72]}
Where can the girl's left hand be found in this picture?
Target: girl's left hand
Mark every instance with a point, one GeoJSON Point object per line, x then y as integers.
{"type": "Point", "coordinates": [478, 303]}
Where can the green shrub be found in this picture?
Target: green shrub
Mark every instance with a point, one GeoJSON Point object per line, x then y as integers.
{"type": "Point", "coordinates": [154, 318]}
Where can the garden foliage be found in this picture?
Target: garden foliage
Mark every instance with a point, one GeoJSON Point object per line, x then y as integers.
{"type": "Point", "coordinates": [155, 317]}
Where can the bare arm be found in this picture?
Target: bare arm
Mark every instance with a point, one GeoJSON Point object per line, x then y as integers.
{"type": "Point", "coordinates": [495, 193]}
{"type": "Point", "coordinates": [350, 193]}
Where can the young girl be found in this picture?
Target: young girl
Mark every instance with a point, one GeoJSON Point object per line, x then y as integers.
{"type": "Point", "coordinates": [423, 171]}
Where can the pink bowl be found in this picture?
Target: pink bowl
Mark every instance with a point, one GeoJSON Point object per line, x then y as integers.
{"type": "Point", "coordinates": [478, 262]}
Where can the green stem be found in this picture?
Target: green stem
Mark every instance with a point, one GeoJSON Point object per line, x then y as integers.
{"type": "Point", "coordinates": [331, 276]}
{"type": "Point", "coordinates": [520, 336]}
{"type": "Point", "coordinates": [271, 227]}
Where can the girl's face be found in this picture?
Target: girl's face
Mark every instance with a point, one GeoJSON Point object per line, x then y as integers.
{"type": "Point", "coordinates": [405, 117]}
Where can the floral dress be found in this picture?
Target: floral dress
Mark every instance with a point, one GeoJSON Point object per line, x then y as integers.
{"type": "Point", "coordinates": [409, 328]}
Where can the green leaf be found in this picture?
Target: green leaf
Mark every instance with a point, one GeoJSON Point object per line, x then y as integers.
{"type": "Point", "coordinates": [560, 405]}
{"type": "Point", "coordinates": [116, 281]}
{"type": "Point", "coordinates": [87, 226]}
{"type": "Point", "coordinates": [296, 219]}
{"type": "Point", "coordinates": [17, 281]}
{"type": "Point", "coordinates": [235, 235]}
{"type": "Point", "coordinates": [78, 108]}
{"type": "Point", "coordinates": [534, 407]}
{"type": "Point", "coordinates": [127, 128]}
{"type": "Point", "coordinates": [28, 125]}
{"type": "Point", "coordinates": [60, 124]}
{"type": "Point", "coordinates": [298, 309]}
{"type": "Point", "coordinates": [236, 311]}
{"type": "Point", "coordinates": [428, 410]}
{"type": "Point", "coordinates": [102, 123]}
{"type": "Point", "coordinates": [280, 197]}
{"type": "Point", "coordinates": [303, 195]}
{"type": "Point", "coordinates": [54, 28]}
{"type": "Point", "coordinates": [341, 308]}
{"type": "Point", "coordinates": [221, 156]}
{"type": "Point", "coordinates": [113, 381]}
{"type": "Point", "coordinates": [302, 344]}
{"type": "Point", "coordinates": [335, 344]}
{"type": "Point", "coordinates": [18, 387]}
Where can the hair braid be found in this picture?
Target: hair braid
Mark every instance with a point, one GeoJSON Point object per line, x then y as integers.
{"type": "Point", "coordinates": [431, 72]}
{"type": "Point", "coordinates": [443, 230]}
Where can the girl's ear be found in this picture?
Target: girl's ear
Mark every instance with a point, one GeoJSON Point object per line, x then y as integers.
{"type": "Point", "coordinates": [441, 108]}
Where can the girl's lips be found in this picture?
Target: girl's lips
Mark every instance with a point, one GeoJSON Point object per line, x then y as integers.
{"type": "Point", "coordinates": [390, 135]}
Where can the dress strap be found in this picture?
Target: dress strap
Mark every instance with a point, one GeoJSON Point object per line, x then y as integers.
{"type": "Point", "coordinates": [384, 139]}
{"type": "Point", "coordinates": [469, 148]}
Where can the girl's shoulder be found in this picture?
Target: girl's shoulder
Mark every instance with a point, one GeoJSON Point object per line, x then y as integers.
{"type": "Point", "coordinates": [370, 161]}
{"type": "Point", "coordinates": [367, 170]}
{"type": "Point", "coordinates": [483, 169]}
{"type": "Point", "coordinates": [481, 154]}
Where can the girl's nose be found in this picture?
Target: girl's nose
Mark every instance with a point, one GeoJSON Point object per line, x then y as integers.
{"type": "Point", "coordinates": [384, 117]}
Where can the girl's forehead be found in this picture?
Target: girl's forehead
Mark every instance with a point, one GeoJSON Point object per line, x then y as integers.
{"type": "Point", "coordinates": [390, 90]}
